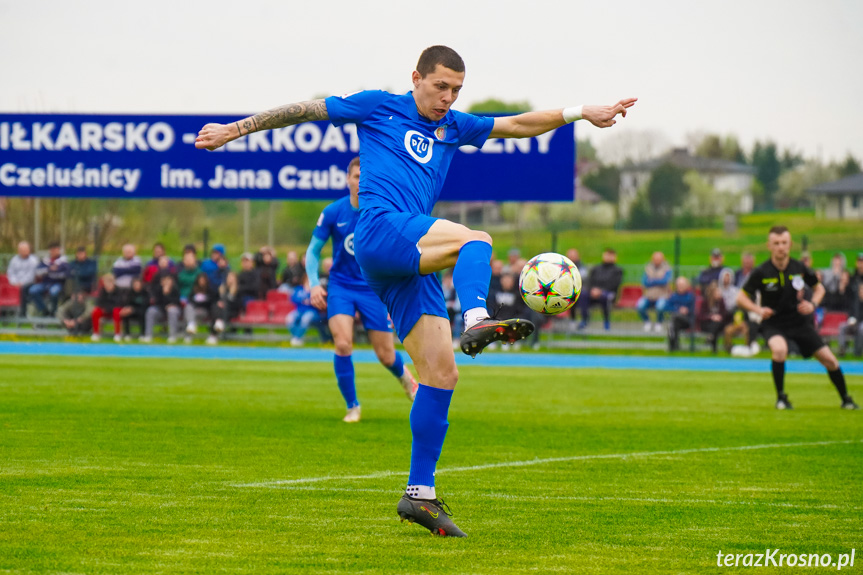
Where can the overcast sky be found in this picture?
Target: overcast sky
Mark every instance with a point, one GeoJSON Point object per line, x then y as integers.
{"type": "Point", "coordinates": [787, 70]}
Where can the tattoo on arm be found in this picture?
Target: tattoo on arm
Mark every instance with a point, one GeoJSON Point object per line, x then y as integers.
{"type": "Point", "coordinates": [287, 115]}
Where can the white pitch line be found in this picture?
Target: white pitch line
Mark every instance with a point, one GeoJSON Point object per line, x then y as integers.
{"type": "Point", "coordinates": [528, 462]}
{"type": "Point", "coordinates": [586, 499]}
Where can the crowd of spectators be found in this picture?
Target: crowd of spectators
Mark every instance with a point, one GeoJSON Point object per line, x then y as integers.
{"type": "Point", "coordinates": [706, 305]}
{"type": "Point", "coordinates": [191, 293]}
{"type": "Point", "coordinates": [140, 297]}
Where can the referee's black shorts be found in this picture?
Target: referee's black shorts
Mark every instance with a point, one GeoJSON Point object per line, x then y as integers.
{"type": "Point", "coordinates": [804, 335]}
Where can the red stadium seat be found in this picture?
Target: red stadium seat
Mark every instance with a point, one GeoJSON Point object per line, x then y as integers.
{"type": "Point", "coordinates": [256, 312]}
{"type": "Point", "coordinates": [830, 325]}
{"type": "Point", "coordinates": [280, 310]}
{"type": "Point", "coordinates": [10, 296]}
{"type": "Point", "coordinates": [629, 296]}
{"type": "Point", "coordinates": [275, 297]}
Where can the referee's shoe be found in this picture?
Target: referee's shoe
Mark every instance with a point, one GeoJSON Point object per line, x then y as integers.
{"type": "Point", "coordinates": [848, 403]}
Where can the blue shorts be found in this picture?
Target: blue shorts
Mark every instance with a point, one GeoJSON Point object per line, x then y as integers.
{"type": "Point", "coordinates": [348, 300]}
{"type": "Point", "coordinates": [385, 245]}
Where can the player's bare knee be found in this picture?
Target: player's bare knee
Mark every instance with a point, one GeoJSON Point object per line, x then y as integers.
{"type": "Point", "coordinates": [480, 236]}
{"type": "Point", "coordinates": [386, 356]}
{"type": "Point", "coordinates": [446, 378]}
{"type": "Point", "coordinates": [343, 346]}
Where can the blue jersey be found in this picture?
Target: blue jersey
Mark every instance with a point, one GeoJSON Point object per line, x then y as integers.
{"type": "Point", "coordinates": [404, 157]}
{"type": "Point", "coordinates": [338, 221]}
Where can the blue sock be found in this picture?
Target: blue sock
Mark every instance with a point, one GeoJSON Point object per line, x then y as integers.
{"type": "Point", "coordinates": [472, 274]}
{"type": "Point", "coordinates": [344, 366]}
{"type": "Point", "coordinates": [398, 366]}
{"type": "Point", "coordinates": [428, 427]}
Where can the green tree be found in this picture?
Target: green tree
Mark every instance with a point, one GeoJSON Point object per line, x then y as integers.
{"type": "Point", "coordinates": [732, 151]}
{"type": "Point", "coordinates": [709, 147]}
{"type": "Point", "coordinates": [714, 147]}
{"type": "Point", "coordinates": [666, 191]}
{"type": "Point", "coordinates": [849, 167]}
{"type": "Point", "coordinates": [790, 160]}
{"type": "Point", "coordinates": [794, 183]}
{"type": "Point", "coordinates": [493, 105]}
{"type": "Point", "coordinates": [640, 215]}
{"type": "Point", "coordinates": [766, 162]}
{"type": "Point", "coordinates": [605, 181]}
{"type": "Point", "coordinates": [664, 197]}
{"type": "Point", "coordinates": [585, 151]}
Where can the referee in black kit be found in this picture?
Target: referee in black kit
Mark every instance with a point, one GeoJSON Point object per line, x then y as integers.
{"type": "Point", "coordinates": [786, 315]}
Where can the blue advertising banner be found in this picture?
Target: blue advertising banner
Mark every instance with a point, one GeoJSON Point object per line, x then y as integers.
{"type": "Point", "coordinates": [147, 156]}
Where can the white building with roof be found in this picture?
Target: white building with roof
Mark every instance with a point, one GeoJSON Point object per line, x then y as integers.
{"type": "Point", "coordinates": [730, 178]}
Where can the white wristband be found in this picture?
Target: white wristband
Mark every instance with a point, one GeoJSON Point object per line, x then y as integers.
{"type": "Point", "coordinates": [572, 114]}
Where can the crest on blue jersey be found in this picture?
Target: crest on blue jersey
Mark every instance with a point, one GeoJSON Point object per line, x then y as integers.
{"type": "Point", "coordinates": [419, 146]}
{"type": "Point", "coordinates": [440, 133]}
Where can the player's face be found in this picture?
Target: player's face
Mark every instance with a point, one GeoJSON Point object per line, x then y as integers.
{"type": "Point", "coordinates": [435, 93]}
{"type": "Point", "coordinates": [779, 245]}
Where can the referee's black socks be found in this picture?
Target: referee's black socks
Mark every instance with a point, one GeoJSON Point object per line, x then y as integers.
{"type": "Point", "coordinates": [779, 377]}
{"type": "Point", "coordinates": [838, 379]}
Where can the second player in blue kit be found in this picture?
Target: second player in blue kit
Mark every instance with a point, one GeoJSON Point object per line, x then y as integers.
{"type": "Point", "coordinates": [347, 294]}
{"type": "Point", "coordinates": [406, 145]}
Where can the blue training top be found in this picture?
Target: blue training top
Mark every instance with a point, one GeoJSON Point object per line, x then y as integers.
{"type": "Point", "coordinates": [338, 221]}
{"type": "Point", "coordinates": [404, 157]}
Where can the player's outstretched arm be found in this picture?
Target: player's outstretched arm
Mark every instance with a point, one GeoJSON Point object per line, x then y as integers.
{"type": "Point", "coordinates": [214, 136]}
{"type": "Point", "coordinates": [535, 123]}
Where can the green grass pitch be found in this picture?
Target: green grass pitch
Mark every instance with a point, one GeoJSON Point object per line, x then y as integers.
{"type": "Point", "coordinates": [190, 466]}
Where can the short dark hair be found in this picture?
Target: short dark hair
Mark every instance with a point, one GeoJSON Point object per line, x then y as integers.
{"type": "Point", "coordinates": [609, 251]}
{"type": "Point", "coordinates": [54, 244]}
{"type": "Point", "coordinates": [354, 162]}
{"type": "Point", "coordinates": [434, 55]}
{"type": "Point", "coordinates": [81, 249]}
{"type": "Point", "coordinates": [778, 230]}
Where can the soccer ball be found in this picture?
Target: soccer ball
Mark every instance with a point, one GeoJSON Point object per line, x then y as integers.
{"type": "Point", "coordinates": [550, 283]}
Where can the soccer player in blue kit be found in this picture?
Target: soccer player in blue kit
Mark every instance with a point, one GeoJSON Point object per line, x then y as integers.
{"type": "Point", "coordinates": [348, 293]}
{"type": "Point", "coordinates": [406, 145]}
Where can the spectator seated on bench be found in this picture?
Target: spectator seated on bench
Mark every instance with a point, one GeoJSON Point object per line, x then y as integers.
{"type": "Point", "coordinates": [852, 326]}
{"type": "Point", "coordinates": [712, 315]}
{"type": "Point", "coordinates": [21, 274]}
{"type": "Point", "coordinates": [76, 313]}
{"type": "Point", "coordinates": [82, 271]}
{"type": "Point", "coordinates": [655, 281]}
{"type": "Point", "coordinates": [135, 304]}
{"type": "Point", "coordinates": [109, 302]}
{"type": "Point", "coordinates": [681, 306]}
{"type": "Point", "coordinates": [602, 284]}
{"type": "Point", "coordinates": [230, 304]}
{"type": "Point", "coordinates": [51, 277]}
{"type": "Point", "coordinates": [165, 305]}
{"type": "Point", "coordinates": [202, 306]}
{"type": "Point", "coordinates": [304, 316]}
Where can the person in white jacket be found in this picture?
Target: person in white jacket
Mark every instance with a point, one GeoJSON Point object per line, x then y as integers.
{"type": "Point", "coordinates": [22, 272]}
